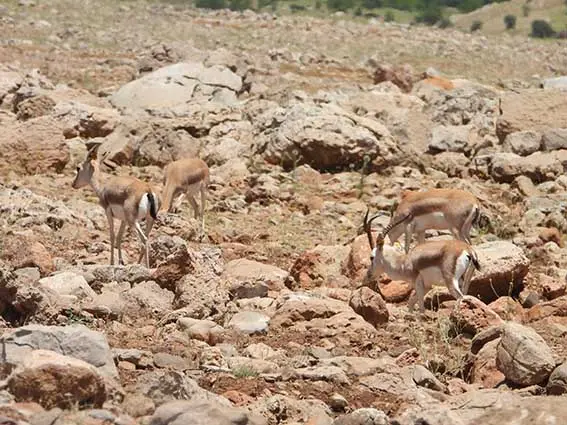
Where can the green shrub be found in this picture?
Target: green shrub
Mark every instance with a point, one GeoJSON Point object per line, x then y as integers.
{"type": "Point", "coordinates": [372, 4]}
{"type": "Point", "coordinates": [210, 4]}
{"type": "Point", "coordinates": [476, 26]}
{"type": "Point", "coordinates": [430, 15]}
{"type": "Point", "coordinates": [510, 22]}
{"type": "Point", "coordinates": [240, 4]}
{"type": "Point", "coordinates": [342, 5]}
{"type": "Point", "coordinates": [542, 29]}
{"type": "Point", "coordinates": [358, 11]}
{"type": "Point", "coordinates": [526, 10]}
{"type": "Point", "coordinates": [389, 16]}
{"type": "Point", "coordinates": [445, 23]}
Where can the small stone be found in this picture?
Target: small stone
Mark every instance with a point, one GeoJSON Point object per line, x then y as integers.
{"type": "Point", "coordinates": [338, 403]}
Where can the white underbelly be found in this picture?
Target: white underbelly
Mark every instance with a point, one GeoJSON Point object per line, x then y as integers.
{"type": "Point", "coordinates": [434, 220]}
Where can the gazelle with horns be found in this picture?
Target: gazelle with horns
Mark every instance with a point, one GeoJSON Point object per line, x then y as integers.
{"type": "Point", "coordinates": [424, 265]}
{"type": "Point", "coordinates": [186, 177]}
{"type": "Point", "coordinates": [128, 199]}
{"type": "Point", "coordinates": [453, 209]}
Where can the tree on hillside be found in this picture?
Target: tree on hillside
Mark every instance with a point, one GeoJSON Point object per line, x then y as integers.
{"type": "Point", "coordinates": [476, 26]}
{"type": "Point", "coordinates": [542, 29]}
{"type": "Point", "coordinates": [431, 12]}
{"type": "Point", "coordinates": [210, 4]}
{"type": "Point", "coordinates": [510, 22]}
{"type": "Point", "coordinates": [342, 5]}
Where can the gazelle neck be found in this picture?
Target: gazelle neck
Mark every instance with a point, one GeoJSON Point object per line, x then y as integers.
{"type": "Point", "coordinates": [96, 179]}
{"type": "Point", "coordinates": [393, 262]}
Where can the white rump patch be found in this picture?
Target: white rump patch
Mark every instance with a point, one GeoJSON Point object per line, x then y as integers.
{"type": "Point", "coordinates": [463, 262]}
{"type": "Point", "coordinates": [144, 207]}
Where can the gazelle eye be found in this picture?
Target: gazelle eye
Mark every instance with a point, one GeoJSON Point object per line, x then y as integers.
{"type": "Point", "coordinates": [78, 169]}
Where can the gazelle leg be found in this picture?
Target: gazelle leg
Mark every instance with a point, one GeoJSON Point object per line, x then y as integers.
{"type": "Point", "coordinates": [149, 226]}
{"type": "Point", "coordinates": [203, 203]}
{"type": "Point", "coordinates": [412, 300]}
{"type": "Point", "coordinates": [176, 204]}
{"type": "Point", "coordinates": [407, 241]}
{"type": "Point", "coordinates": [110, 219]}
{"type": "Point", "coordinates": [420, 294]}
{"type": "Point", "coordinates": [145, 246]}
{"type": "Point", "coordinates": [194, 205]}
{"type": "Point", "coordinates": [119, 241]}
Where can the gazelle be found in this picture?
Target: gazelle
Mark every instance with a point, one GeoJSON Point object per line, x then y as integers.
{"type": "Point", "coordinates": [424, 265]}
{"type": "Point", "coordinates": [453, 209]}
{"type": "Point", "coordinates": [186, 177]}
{"type": "Point", "coordinates": [126, 198]}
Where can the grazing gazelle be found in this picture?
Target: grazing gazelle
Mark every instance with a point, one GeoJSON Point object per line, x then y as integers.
{"type": "Point", "coordinates": [186, 177]}
{"type": "Point", "coordinates": [424, 265]}
{"type": "Point", "coordinates": [125, 198]}
{"type": "Point", "coordinates": [452, 209]}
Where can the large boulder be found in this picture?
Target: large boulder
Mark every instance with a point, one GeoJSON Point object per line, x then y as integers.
{"type": "Point", "coordinates": [35, 146]}
{"type": "Point", "coordinates": [55, 380]}
{"type": "Point", "coordinates": [322, 316]}
{"type": "Point", "coordinates": [535, 110]}
{"type": "Point", "coordinates": [523, 356]}
{"type": "Point", "coordinates": [369, 305]}
{"type": "Point", "coordinates": [503, 268]}
{"type": "Point", "coordinates": [245, 270]}
{"type": "Point", "coordinates": [76, 341]}
{"type": "Point", "coordinates": [325, 137]}
{"type": "Point", "coordinates": [504, 167]}
{"type": "Point", "coordinates": [321, 266]}
{"type": "Point", "coordinates": [176, 85]}
{"type": "Point", "coordinates": [181, 412]}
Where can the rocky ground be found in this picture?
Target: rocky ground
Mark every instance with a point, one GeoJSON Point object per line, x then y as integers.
{"type": "Point", "coordinates": [304, 122]}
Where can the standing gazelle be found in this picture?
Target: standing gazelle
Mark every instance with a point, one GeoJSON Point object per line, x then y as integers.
{"type": "Point", "coordinates": [125, 198]}
{"type": "Point", "coordinates": [418, 211]}
{"type": "Point", "coordinates": [424, 265]}
{"type": "Point", "coordinates": [187, 176]}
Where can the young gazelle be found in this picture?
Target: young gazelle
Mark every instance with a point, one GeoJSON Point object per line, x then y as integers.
{"type": "Point", "coordinates": [187, 176]}
{"type": "Point", "coordinates": [125, 198]}
{"type": "Point", "coordinates": [424, 265]}
{"type": "Point", "coordinates": [418, 211]}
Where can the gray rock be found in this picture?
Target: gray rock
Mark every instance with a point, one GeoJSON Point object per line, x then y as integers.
{"type": "Point", "coordinates": [324, 137]}
{"type": "Point", "coordinates": [523, 143]}
{"type": "Point", "coordinates": [539, 167]}
{"type": "Point", "coordinates": [69, 283]}
{"type": "Point", "coordinates": [249, 322]}
{"type": "Point", "coordinates": [424, 378]}
{"type": "Point", "coordinates": [74, 341]}
{"type": "Point", "coordinates": [557, 383]}
{"type": "Point", "coordinates": [555, 83]}
{"type": "Point", "coordinates": [165, 386]}
{"type": "Point", "coordinates": [503, 268]}
{"type": "Point", "coordinates": [554, 139]}
{"type": "Point", "coordinates": [523, 356]}
{"type": "Point", "coordinates": [174, 86]}
{"type": "Point", "coordinates": [449, 139]}
{"type": "Point", "coordinates": [182, 412]}
{"type": "Point", "coordinates": [365, 416]}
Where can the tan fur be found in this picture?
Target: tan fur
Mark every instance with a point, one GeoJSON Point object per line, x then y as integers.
{"type": "Point", "coordinates": [449, 262]}
{"type": "Point", "coordinates": [186, 176]}
{"type": "Point", "coordinates": [427, 264]}
{"type": "Point", "coordinates": [126, 193]}
{"type": "Point", "coordinates": [439, 209]}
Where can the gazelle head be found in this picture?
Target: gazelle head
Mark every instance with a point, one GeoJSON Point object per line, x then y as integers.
{"type": "Point", "coordinates": [377, 246]}
{"type": "Point", "coordinates": [86, 170]}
